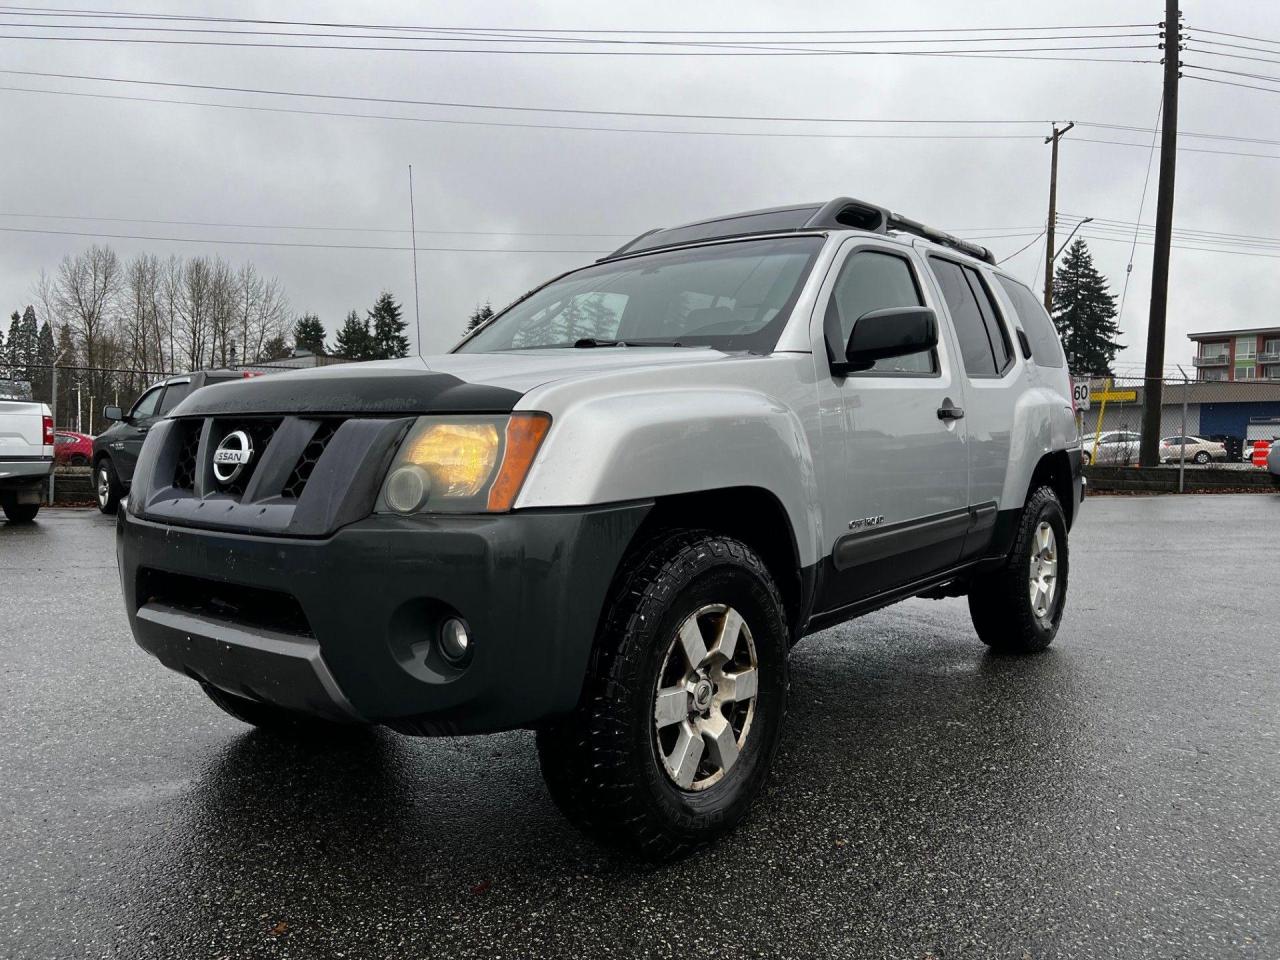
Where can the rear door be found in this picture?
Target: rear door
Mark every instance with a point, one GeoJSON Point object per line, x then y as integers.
{"type": "Point", "coordinates": [992, 383]}
{"type": "Point", "coordinates": [904, 494]}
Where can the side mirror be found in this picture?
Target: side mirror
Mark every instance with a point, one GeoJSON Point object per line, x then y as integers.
{"type": "Point", "coordinates": [882, 334]}
{"type": "Point", "coordinates": [114, 413]}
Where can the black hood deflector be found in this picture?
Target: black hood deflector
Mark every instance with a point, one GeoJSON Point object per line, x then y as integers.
{"type": "Point", "coordinates": [347, 391]}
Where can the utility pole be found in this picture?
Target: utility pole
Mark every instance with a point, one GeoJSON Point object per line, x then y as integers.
{"type": "Point", "coordinates": [1149, 451]}
{"type": "Point", "coordinates": [1053, 213]}
{"type": "Point", "coordinates": [413, 240]}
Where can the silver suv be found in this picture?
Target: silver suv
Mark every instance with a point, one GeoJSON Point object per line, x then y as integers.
{"type": "Point", "coordinates": [610, 512]}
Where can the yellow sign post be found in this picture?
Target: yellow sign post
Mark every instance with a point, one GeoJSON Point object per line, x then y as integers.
{"type": "Point", "coordinates": [1107, 393]}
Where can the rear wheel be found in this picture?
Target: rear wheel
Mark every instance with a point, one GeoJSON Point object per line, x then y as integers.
{"type": "Point", "coordinates": [1017, 608]}
{"type": "Point", "coordinates": [683, 704]}
{"type": "Point", "coordinates": [275, 719]}
{"type": "Point", "coordinates": [21, 512]}
{"type": "Point", "coordinates": [106, 486]}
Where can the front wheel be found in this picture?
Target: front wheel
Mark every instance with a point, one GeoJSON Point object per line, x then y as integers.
{"type": "Point", "coordinates": [683, 704]}
{"type": "Point", "coordinates": [1202, 457]}
{"type": "Point", "coordinates": [1017, 607]}
{"type": "Point", "coordinates": [106, 486]}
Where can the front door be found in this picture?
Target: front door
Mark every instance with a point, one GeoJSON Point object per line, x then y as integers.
{"type": "Point", "coordinates": [140, 419]}
{"type": "Point", "coordinates": [905, 489]}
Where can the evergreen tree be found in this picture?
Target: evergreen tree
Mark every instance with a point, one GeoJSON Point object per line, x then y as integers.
{"type": "Point", "coordinates": [273, 349]}
{"type": "Point", "coordinates": [354, 341]}
{"type": "Point", "coordinates": [1084, 311]}
{"type": "Point", "coordinates": [42, 375]}
{"type": "Point", "coordinates": [309, 334]}
{"type": "Point", "coordinates": [388, 329]}
{"type": "Point", "coordinates": [4, 356]}
{"type": "Point", "coordinates": [478, 316]}
{"type": "Point", "coordinates": [29, 333]}
{"type": "Point", "coordinates": [12, 357]}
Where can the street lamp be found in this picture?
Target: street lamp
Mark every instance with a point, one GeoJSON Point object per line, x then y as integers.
{"type": "Point", "coordinates": [1069, 236]}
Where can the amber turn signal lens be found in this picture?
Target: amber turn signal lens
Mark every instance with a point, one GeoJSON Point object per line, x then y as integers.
{"type": "Point", "coordinates": [525, 433]}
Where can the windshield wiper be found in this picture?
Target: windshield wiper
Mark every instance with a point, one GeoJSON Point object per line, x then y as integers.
{"type": "Point", "coordinates": [594, 342]}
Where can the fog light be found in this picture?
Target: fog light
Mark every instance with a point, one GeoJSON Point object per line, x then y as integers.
{"type": "Point", "coordinates": [407, 488]}
{"type": "Point", "coordinates": [455, 640]}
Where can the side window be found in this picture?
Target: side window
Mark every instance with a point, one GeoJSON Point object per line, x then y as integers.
{"type": "Point", "coordinates": [174, 394]}
{"type": "Point", "coordinates": [990, 317]}
{"type": "Point", "coordinates": [966, 316]}
{"type": "Point", "coordinates": [876, 281]}
{"type": "Point", "coordinates": [147, 403]}
{"type": "Point", "coordinates": [1046, 350]}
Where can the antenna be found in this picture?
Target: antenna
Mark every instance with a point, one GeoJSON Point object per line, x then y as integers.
{"type": "Point", "coordinates": [413, 239]}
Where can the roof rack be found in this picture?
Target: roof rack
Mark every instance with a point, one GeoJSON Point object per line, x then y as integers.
{"type": "Point", "coordinates": [842, 212]}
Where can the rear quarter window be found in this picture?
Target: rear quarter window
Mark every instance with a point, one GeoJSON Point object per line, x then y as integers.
{"type": "Point", "coordinates": [1046, 349]}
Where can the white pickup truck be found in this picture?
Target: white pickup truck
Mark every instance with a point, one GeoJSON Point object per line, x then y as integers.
{"type": "Point", "coordinates": [26, 457]}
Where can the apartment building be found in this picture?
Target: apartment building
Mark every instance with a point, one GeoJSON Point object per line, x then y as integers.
{"type": "Point", "coordinates": [1237, 354]}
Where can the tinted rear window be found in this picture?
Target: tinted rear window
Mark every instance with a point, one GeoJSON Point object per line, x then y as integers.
{"type": "Point", "coordinates": [966, 317]}
{"type": "Point", "coordinates": [1046, 350]}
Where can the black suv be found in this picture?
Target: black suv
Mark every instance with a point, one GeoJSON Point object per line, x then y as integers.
{"type": "Point", "coordinates": [115, 450]}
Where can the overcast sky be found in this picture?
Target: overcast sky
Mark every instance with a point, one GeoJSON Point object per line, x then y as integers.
{"type": "Point", "coordinates": [80, 157]}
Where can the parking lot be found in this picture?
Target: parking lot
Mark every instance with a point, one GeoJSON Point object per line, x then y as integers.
{"type": "Point", "coordinates": [1115, 797]}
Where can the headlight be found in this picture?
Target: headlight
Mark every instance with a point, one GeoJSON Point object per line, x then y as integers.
{"type": "Point", "coordinates": [463, 464]}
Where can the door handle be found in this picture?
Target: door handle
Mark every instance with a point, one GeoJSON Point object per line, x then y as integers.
{"type": "Point", "coordinates": [949, 411]}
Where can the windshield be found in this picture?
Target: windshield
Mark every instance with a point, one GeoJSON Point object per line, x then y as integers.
{"type": "Point", "coordinates": [732, 296]}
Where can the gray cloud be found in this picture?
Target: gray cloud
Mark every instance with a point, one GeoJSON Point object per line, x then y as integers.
{"type": "Point", "coordinates": [108, 158]}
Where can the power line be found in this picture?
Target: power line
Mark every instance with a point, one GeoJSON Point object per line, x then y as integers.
{"type": "Point", "coordinates": [1237, 73]}
{"type": "Point", "coordinates": [511, 124]}
{"type": "Point", "coordinates": [991, 53]}
{"type": "Point", "coordinates": [453, 36]}
{"type": "Point", "coordinates": [1228, 83]}
{"type": "Point", "coordinates": [1147, 226]}
{"type": "Point", "coordinates": [591, 129]}
{"type": "Point", "coordinates": [405, 101]}
{"type": "Point", "coordinates": [274, 243]}
{"type": "Point", "coordinates": [1024, 247]}
{"type": "Point", "coordinates": [579, 111]}
{"type": "Point", "coordinates": [1146, 180]}
{"type": "Point", "coordinates": [283, 226]}
{"type": "Point", "coordinates": [73, 12]}
{"type": "Point", "coordinates": [1236, 36]}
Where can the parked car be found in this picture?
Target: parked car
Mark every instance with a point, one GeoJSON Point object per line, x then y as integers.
{"type": "Point", "coordinates": [1273, 464]}
{"type": "Point", "coordinates": [75, 449]}
{"type": "Point", "coordinates": [609, 513]}
{"type": "Point", "coordinates": [116, 449]}
{"type": "Point", "coordinates": [1112, 446]}
{"type": "Point", "coordinates": [1173, 449]}
{"type": "Point", "coordinates": [26, 457]}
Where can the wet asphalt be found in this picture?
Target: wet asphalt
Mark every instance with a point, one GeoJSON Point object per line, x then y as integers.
{"type": "Point", "coordinates": [1114, 797]}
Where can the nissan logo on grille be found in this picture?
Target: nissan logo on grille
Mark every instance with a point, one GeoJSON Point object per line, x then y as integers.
{"type": "Point", "coordinates": [232, 456]}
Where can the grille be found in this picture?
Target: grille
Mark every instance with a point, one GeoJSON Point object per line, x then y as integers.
{"type": "Point", "coordinates": [260, 433]}
{"type": "Point", "coordinates": [301, 472]}
{"type": "Point", "coordinates": [228, 602]}
{"type": "Point", "coordinates": [184, 473]}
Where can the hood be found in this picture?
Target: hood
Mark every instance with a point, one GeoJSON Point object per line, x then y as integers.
{"type": "Point", "coordinates": [449, 383]}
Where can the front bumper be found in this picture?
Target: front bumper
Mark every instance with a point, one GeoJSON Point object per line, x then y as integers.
{"type": "Point", "coordinates": [343, 626]}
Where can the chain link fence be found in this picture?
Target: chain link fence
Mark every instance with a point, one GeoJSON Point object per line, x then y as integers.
{"type": "Point", "coordinates": [78, 394]}
{"type": "Point", "coordinates": [1203, 423]}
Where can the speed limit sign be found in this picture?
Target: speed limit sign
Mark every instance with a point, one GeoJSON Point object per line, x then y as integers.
{"type": "Point", "coordinates": [1080, 391]}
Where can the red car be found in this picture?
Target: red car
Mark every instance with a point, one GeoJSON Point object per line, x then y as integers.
{"type": "Point", "coordinates": [73, 448]}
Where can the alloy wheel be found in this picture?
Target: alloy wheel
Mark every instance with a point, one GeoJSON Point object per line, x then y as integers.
{"type": "Point", "coordinates": [1043, 581]}
{"type": "Point", "coordinates": [705, 697]}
